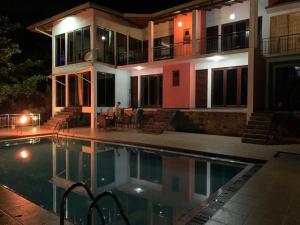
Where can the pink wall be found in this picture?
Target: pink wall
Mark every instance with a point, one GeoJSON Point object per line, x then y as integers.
{"type": "Point", "coordinates": [182, 96]}
{"type": "Point", "coordinates": [187, 24]}
{"type": "Point", "coordinates": [179, 167]}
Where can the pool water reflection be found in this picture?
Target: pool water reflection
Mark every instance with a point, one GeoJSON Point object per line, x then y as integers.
{"type": "Point", "coordinates": [154, 187]}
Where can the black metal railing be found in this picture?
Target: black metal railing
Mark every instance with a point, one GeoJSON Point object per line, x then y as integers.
{"type": "Point", "coordinates": [118, 204]}
{"type": "Point", "coordinates": [64, 199]}
{"type": "Point", "coordinates": [225, 42]}
{"type": "Point", "coordinates": [285, 44]}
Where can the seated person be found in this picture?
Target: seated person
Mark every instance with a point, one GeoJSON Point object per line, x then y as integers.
{"type": "Point", "coordinates": [117, 109]}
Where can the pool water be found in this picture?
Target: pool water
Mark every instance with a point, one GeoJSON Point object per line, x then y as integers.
{"type": "Point", "coordinates": [154, 187]}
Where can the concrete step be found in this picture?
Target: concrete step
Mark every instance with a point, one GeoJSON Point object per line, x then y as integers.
{"type": "Point", "coordinates": [261, 118]}
{"type": "Point", "coordinates": [256, 131]}
{"type": "Point", "coordinates": [263, 114]}
{"type": "Point", "coordinates": [259, 122]}
{"type": "Point", "coordinates": [257, 126]}
{"type": "Point", "coordinates": [255, 141]}
{"type": "Point", "coordinates": [255, 136]}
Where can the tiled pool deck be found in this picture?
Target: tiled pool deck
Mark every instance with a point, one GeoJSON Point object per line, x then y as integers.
{"type": "Point", "coordinates": [270, 197]}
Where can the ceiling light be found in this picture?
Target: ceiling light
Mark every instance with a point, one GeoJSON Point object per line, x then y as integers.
{"type": "Point", "coordinates": [103, 38]}
{"type": "Point", "coordinates": [138, 190]}
{"type": "Point", "coordinates": [232, 16]}
{"type": "Point", "coordinates": [139, 68]}
{"type": "Point", "coordinates": [216, 58]}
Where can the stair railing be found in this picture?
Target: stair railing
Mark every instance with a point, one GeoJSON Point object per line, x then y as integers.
{"type": "Point", "coordinates": [94, 204]}
{"type": "Point", "coordinates": [55, 127]}
{"type": "Point", "coordinates": [171, 118]}
{"type": "Point", "coordinates": [64, 199]}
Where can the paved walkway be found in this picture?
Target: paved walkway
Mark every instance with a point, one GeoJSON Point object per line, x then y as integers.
{"type": "Point", "coordinates": [270, 197]}
{"type": "Point", "coordinates": [202, 143]}
{"type": "Point", "coordinates": [22, 132]}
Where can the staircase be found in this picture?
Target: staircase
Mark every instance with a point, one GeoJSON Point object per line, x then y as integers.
{"type": "Point", "coordinates": [259, 129]}
{"type": "Point", "coordinates": [159, 122]}
{"type": "Point", "coordinates": [65, 115]}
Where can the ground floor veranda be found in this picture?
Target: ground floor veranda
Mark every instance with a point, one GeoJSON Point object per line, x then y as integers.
{"type": "Point", "coordinates": [270, 197]}
{"type": "Point", "coordinates": [196, 84]}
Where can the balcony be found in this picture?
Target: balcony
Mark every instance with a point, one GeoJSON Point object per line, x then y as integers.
{"type": "Point", "coordinates": [282, 45]}
{"type": "Point", "coordinates": [212, 44]}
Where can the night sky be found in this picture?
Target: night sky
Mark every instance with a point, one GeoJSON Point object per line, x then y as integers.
{"type": "Point", "coordinates": [27, 12]}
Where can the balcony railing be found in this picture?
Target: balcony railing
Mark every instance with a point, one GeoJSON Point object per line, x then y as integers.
{"type": "Point", "coordinates": [212, 44]}
{"type": "Point", "coordinates": [227, 42]}
{"type": "Point", "coordinates": [281, 45]}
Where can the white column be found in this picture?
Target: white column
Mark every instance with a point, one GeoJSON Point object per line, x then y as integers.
{"type": "Point", "coordinates": [139, 92]}
{"type": "Point", "coordinates": [93, 98]}
{"type": "Point", "coordinates": [209, 91]}
{"type": "Point", "coordinates": [195, 32]}
{"type": "Point", "coordinates": [93, 167]}
{"type": "Point", "coordinates": [54, 194]}
{"type": "Point", "coordinates": [67, 90]}
{"type": "Point", "coordinates": [53, 94]}
{"type": "Point", "coordinates": [150, 41]}
{"type": "Point", "coordinates": [253, 31]}
{"type": "Point", "coordinates": [208, 178]}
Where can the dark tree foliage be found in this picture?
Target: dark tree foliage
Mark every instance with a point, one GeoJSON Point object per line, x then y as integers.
{"type": "Point", "coordinates": [17, 78]}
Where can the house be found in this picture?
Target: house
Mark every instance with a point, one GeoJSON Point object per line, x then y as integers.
{"type": "Point", "coordinates": [232, 54]}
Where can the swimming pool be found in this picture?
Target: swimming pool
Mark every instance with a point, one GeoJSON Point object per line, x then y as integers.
{"type": "Point", "coordinates": [154, 186]}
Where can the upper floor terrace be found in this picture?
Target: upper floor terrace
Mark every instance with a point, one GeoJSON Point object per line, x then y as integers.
{"type": "Point", "coordinates": [96, 34]}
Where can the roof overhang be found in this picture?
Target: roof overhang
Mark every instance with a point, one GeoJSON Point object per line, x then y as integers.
{"type": "Point", "coordinates": [139, 20]}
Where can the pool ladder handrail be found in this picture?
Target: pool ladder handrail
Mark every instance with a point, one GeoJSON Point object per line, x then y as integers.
{"type": "Point", "coordinates": [117, 202]}
{"type": "Point", "coordinates": [64, 199]}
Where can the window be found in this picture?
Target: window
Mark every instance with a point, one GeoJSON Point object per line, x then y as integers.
{"type": "Point", "coordinates": [235, 35]}
{"type": "Point", "coordinates": [105, 89]}
{"type": "Point", "coordinates": [60, 50]}
{"type": "Point", "coordinates": [151, 167]}
{"type": "Point", "coordinates": [212, 39]}
{"type": "Point", "coordinates": [70, 48]}
{"type": "Point", "coordinates": [230, 86]}
{"type": "Point", "coordinates": [145, 51]}
{"type": "Point", "coordinates": [135, 51]}
{"type": "Point", "coordinates": [86, 89]}
{"type": "Point", "coordinates": [105, 45]}
{"type": "Point", "coordinates": [176, 78]}
{"type": "Point", "coordinates": [79, 46]}
{"type": "Point", "coordinates": [163, 47]}
{"type": "Point", "coordinates": [151, 89]}
{"type": "Point", "coordinates": [60, 91]}
{"type": "Point", "coordinates": [121, 49]}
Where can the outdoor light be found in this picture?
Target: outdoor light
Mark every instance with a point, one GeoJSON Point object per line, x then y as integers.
{"type": "Point", "coordinates": [24, 154]}
{"type": "Point", "coordinates": [216, 58]}
{"type": "Point", "coordinates": [232, 16]}
{"type": "Point", "coordinates": [139, 68]}
{"type": "Point", "coordinates": [138, 190]}
{"type": "Point", "coordinates": [35, 118]}
{"type": "Point", "coordinates": [23, 119]}
{"type": "Point", "coordinates": [103, 38]}
{"type": "Point", "coordinates": [68, 24]}
{"type": "Point", "coordinates": [179, 24]}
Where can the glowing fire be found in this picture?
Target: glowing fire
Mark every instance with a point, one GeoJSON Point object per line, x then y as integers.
{"type": "Point", "coordinates": [23, 119]}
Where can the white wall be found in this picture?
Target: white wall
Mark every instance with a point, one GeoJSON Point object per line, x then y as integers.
{"type": "Point", "coordinates": [221, 16]}
{"type": "Point", "coordinates": [240, 59]}
{"type": "Point", "coordinates": [122, 85]}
